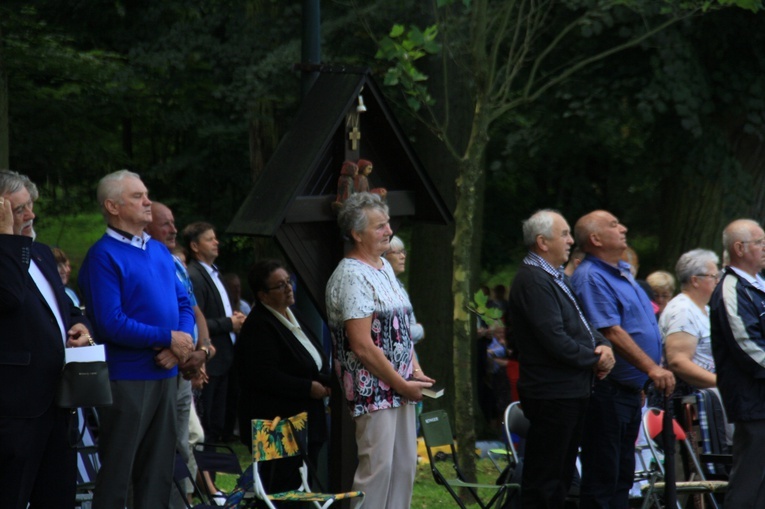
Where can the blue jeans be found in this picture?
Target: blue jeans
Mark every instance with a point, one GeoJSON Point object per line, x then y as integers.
{"type": "Point", "coordinates": [608, 447]}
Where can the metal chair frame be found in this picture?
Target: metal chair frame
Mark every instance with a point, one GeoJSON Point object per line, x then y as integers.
{"type": "Point", "coordinates": [652, 427]}
{"type": "Point", "coordinates": [278, 439]}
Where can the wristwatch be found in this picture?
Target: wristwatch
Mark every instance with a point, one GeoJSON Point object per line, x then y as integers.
{"type": "Point", "coordinates": [206, 350]}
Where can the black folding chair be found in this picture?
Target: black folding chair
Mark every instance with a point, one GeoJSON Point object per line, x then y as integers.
{"type": "Point", "coordinates": [214, 459]}
{"type": "Point", "coordinates": [84, 428]}
{"type": "Point", "coordinates": [181, 475]}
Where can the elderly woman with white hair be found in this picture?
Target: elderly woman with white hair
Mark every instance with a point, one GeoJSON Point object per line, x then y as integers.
{"type": "Point", "coordinates": [368, 314]}
{"type": "Point", "coordinates": [684, 324]}
{"type": "Point", "coordinates": [396, 256]}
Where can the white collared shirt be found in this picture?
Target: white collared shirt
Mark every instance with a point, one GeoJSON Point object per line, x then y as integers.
{"type": "Point", "coordinates": [50, 296]}
{"type": "Point", "coordinates": [139, 242]}
{"type": "Point", "coordinates": [215, 275]}
{"type": "Point", "coordinates": [292, 324]}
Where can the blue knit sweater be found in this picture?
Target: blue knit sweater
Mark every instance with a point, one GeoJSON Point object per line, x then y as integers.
{"type": "Point", "coordinates": [134, 301]}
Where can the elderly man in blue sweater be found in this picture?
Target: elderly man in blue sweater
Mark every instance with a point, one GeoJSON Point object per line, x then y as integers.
{"type": "Point", "coordinates": [141, 311]}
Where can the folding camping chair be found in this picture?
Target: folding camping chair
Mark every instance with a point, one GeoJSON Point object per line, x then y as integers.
{"type": "Point", "coordinates": [181, 475]}
{"type": "Point", "coordinates": [88, 462]}
{"type": "Point", "coordinates": [437, 432]}
{"type": "Point", "coordinates": [652, 428]}
{"type": "Point", "coordinates": [216, 458]}
{"type": "Point", "coordinates": [280, 439]}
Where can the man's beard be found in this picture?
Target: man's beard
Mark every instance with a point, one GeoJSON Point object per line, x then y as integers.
{"type": "Point", "coordinates": [32, 232]}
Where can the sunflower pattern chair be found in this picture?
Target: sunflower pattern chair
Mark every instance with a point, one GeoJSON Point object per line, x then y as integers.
{"type": "Point", "coordinates": [284, 438]}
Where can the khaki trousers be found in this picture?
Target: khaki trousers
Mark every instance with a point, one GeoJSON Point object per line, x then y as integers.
{"type": "Point", "coordinates": [387, 449]}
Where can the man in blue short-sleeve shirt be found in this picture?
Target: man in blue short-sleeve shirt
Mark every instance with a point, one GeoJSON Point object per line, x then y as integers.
{"type": "Point", "coordinates": [616, 305]}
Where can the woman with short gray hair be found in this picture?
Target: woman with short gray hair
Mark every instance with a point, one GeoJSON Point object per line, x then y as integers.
{"type": "Point", "coordinates": [684, 324]}
{"type": "Point", "coordinates": [396, 256]}
{"type": "Point", "coordinates": [368, 314]}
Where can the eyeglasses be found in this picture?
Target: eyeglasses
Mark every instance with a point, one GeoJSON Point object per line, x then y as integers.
{"type": "Point", "coordinates": [401, 252]}
{"type": "Point", "coordinates": [281, 286]}
{"type": "Point", "coordinates": [756, 242]}
{"type": "Point", "coordinates": [717, 276]}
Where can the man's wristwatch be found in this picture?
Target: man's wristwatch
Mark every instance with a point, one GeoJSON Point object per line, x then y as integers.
{"type": "Point", "coordinates": [206, 350]}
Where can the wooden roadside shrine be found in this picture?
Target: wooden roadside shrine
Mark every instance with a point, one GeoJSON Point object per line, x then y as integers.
{"type": "Point", "coordinates": [344, 117]}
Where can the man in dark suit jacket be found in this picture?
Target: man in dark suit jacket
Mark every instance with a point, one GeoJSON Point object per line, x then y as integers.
{"type": "Point", "coordinates": [37, 464]}
{"type": "Point", "coordinates": [222, 321]}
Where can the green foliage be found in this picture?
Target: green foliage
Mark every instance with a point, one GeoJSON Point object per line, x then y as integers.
{"type": "Point", "coordinates": [404, 48]}
{"type": "Point", "coordinates": [73, 233]}
{"type": "Point", "coordinates": [479, 307]}
{"type": "Point", "coordinates": [751, 5]}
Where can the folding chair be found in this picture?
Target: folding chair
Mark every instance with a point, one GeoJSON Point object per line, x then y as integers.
{"type": "Point", "coordinates": [515, 424]}
{"type": "Point", "coordinates": [216, 458]}
{"type": "Point", "coordinates": [280, 439]}
{"type": "Point", "coordinates": [652, 428]}
{"type": "Point", "coordinates": [180, 475]}
{"type": "Point", "coordinates": [88, 462]}
{"type": "Point", "coordinates": [513, 415]}
{"type": "Point", "coordinates": [437, 432]}
{"type": "Point", "coordinates": [715, 450]}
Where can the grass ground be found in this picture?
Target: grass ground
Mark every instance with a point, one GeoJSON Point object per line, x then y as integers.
{"type": "Point", "coordinates": [427, 494]}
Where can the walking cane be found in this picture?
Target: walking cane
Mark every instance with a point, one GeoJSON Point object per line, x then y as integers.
{"type": "Point", "coordinates": [668, 436]}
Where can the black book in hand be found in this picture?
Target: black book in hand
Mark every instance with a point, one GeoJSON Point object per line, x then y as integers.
{"type": "Point", "coordinates": [434, 391]}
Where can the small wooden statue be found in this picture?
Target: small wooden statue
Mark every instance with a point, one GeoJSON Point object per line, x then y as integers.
{"type": "Point", "coordinates": [361, 181]}
{"type": "Point", "coordinates": [345, 184]}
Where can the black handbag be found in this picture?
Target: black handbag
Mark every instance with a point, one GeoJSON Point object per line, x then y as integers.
{"type": "Point", "coordinates": [84, 384]}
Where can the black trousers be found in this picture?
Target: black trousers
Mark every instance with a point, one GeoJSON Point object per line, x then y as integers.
{"type": "Point", "coordinates": [213, 405]}
{"type": "Point", "coordinates": [552, 445]}
{"type": "Point", "coordinates": [37, 465]}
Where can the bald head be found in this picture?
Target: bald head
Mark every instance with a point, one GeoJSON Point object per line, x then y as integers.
{"type": "Point", "coordinates": [162, 226]}
{"type": "Point", "coordinates": [743, 239]}
{"type": "Point", "coordinates": [740, 230]}
{"type": "Point", "coordinates": [600, 234]}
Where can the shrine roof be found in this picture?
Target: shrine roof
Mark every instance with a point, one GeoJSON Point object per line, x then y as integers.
{"type": "Point", "coordinates": [300, 180]}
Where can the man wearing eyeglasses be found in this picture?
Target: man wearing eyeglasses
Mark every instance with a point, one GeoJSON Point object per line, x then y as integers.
{"type": "Point", "coordinates": [38, 321]}
{"type": "Point", "coordinates": [737, 309]}
{"type": "Point", "coordinates": [222, 321]}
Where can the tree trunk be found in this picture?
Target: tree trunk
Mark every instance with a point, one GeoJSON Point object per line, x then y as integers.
{"type": "Point", "coordinates": [699, 206]}
{"type": "Point", "coordinates": [466, 249]}
{"type": "Point", "coordinates": [749, 151]}
{"type": "Point", "coordinates": [693, 216]}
